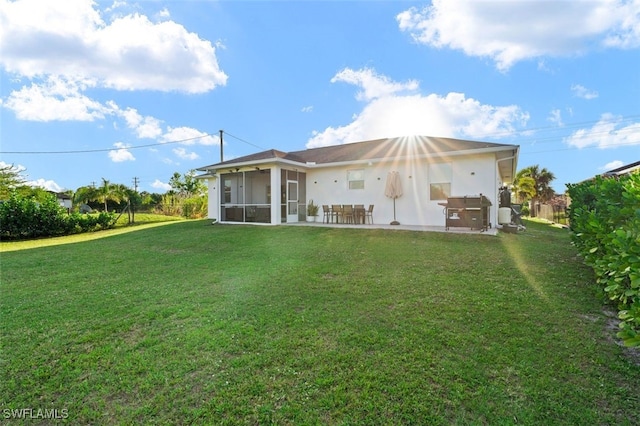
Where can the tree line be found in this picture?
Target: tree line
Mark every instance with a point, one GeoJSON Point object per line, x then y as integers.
{"type": "Point", "coordinates": [187, 196]}
{"type": "Point", "coordinates": [32, 212]}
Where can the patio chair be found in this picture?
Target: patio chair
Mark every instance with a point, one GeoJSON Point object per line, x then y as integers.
{"type": "Point", "coordinates": [369, 214]}
{"type": "Point", "coordinates": [336, 210]}
{"type": "Point", "coordinates": [347, 213]}
{"type": "Point", "coordinates": [326, 213]}
{"type": "Point", "coordinates": [358, 213]}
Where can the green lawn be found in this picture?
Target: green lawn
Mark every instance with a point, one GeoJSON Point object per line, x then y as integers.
{"type": "Point", "coordinates": [191, 323]}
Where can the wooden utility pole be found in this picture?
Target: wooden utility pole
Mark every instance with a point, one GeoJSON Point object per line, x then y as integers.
{"type": "Point", "coordinates": [135, 189]}
{"type": "Point", "coordinates": [221, 151]}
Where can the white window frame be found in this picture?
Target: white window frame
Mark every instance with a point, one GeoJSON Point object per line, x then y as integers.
{"type": "Point", "coordinates": [355, 179]}
{"type": "Point", "coordinates": [440, 177]}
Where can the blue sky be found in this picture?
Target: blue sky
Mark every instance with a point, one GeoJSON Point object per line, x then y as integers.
{"type": "Point", "coordinates": [122, 89]}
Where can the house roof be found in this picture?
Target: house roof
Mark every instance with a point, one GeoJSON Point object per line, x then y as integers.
{"type": "Point", "coordinates": [60, 195]}
{"type": "Point", "coordinates": [368, 150]}
{"type": "Point", "coordinates": [378, 150]}
{"type": "Point", "coordinates": [623, 170]}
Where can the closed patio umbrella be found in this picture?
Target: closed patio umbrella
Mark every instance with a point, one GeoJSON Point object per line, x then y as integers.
{"type": "Point", "coordinates": [393, 189]}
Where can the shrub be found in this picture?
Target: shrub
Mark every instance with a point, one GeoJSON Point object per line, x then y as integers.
{"type": "Point", "coordinates": [605, 224]}
{"type": "Point", "coordinates": [23, 218]}
{"type": "Point", "coordinates": [194, 207]}
{"type": "Point", "coordinates": [177, 205]}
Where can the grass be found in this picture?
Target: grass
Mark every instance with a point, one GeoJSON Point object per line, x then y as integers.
{"type": "Point", "coordinates": [142, 220]}
{"type": "Point", "coordinates": [145, 218]}
{"type": "Point", "coordinates": [199, 324]}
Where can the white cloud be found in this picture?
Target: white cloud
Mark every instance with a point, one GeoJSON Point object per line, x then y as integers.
{"type": "Point", "coordinates": [626, 35]}
{"type": "Point", "coordinates": [582, 92]}
{"type": "Point", "coordinates": [182, 153]}
{"type": "Point", "coordinates": [16, 168]}
{"type": "Point", "coordinates": [555, 116]}
{"type": "Point", "coordinates": [56, 99]}
{"type": "Point", "coordinates": [158, 184]}
{"type": "Point", "coordinates": [189, 136]}
{"type": "Point", "coordinates": [115, 5]}
{"type": "Point", "coordinates": [307, 108]}
{"type": "Point", "coordinates": [391, 115]}
{"type": "Point", "coordinates": [612, 165]}
{"type": "Point", "coordinates": [145, 127]}
{"type": "Point", "coordinates": [372, 84]}
{"type": "Point", "coordinates": [121, 154]}
{"type": "Point", "coordinates": [164, 14]}
{"type": "Point", "coordinates": [609, 132]}
{"type": "Point", "coordinates": [511, 31]}
{"type": "Point", "coordinates": [71, 38]}
{"type": "Point", "coordinates": [49, 185]}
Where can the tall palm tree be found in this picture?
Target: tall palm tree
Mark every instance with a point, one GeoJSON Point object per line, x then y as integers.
{"type": "Point", "coordinates": [108, 191]}
{"type": "Point", "coordinates": [524, 188]}
{"type": "Point", "coordinates": [119, 193]}
{"type": "Point", "coordinates": [105, 192]}
{"type": "Point", "coordinates": [542, 178]}
{"type": "Point", "coordinates": [84, 194]}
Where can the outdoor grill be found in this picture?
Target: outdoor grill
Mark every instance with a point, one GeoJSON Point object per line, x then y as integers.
{"type": "Point", "coordinates": [469, 211]}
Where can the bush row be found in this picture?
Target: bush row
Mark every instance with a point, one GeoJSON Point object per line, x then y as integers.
{"type": "Point", "coordinates": [605, 225]}
{"type": "Point", "coordinates": [24, 217]}
{"type": "Point", "coordinates": [188, 207]}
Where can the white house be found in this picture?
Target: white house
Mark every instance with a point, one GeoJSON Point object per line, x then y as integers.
{"type": "Point", "coordinates": [63, 200]}
{"type": "Point", "coordinates": [273, 187]}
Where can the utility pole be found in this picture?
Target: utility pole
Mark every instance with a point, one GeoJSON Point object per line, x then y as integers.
{"type": "Point", "coordinates": [136, 181]}
{"type": "Point", "coordinates": [221, 151]}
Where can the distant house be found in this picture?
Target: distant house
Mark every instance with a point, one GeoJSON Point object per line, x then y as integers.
{"type": "Point", "coordinates": [274, 187]}
{"type": "Point", "coordinates": [624, 170]}
{"type": "Point", "coordinates": [64, 200]}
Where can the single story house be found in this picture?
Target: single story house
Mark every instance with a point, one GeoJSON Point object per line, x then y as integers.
{"type": "Point", "coordinates": [274, 187]}
{"type": "Point", "coordinates": [63, 200]}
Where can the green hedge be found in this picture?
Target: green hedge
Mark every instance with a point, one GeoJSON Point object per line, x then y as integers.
{"type": "Point", "coordinates": [605, 225]}
{"type": "Point", "coordinates": [24, 218]}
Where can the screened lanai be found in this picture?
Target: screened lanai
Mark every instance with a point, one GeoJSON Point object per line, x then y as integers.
{"type": "Point", "coordinates": [246, 196]}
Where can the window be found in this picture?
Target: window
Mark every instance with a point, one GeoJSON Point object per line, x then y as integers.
{"type": "Point", "coordinates": [227, 191]}
{"type": "Point", "coordinates": [439, 191]}
{"type": "Point", "coordinates": [440, 181]}
{"type": "Point", "coordinates": [355, 179]}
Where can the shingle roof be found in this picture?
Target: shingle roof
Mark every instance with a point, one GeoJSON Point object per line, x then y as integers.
{"type": "Point", "coordinates": [368, 150]}
{"type": "Point", "coordinates": [624, 169]}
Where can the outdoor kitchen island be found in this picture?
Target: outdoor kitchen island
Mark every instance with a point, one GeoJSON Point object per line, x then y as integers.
{"type": "Point", "coordinates": [469, 211]}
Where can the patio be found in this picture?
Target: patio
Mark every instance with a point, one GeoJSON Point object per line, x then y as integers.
{"type": "Point", "coordinates": [456, 230]}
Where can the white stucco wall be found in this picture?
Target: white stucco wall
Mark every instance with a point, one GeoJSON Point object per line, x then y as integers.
{"type": "Point", "coordinates": [471, 175]}
{"type": "Point", "coordinates": [213, 207]}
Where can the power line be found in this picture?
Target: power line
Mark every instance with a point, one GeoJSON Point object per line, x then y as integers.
{"type": "Point", "coordinates": [512, 134]}
{"type": "Point", "coordinates": [85, 151]}
{"type": "Point", "coordinates": [242, 140]}
{"type": "Point", "coordinates": [88, 151]}
{"type": "Point", "coordinates": [584, 147]}
{"type": "Point", "coordinates": [563, 127]}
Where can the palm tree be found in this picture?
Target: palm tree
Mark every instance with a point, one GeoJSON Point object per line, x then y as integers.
{"type": "Point", "coordinates": [524, 188]}
{"type": "Point", "coordinates": [108, 191]}
{"type": "Point", "coordinates": [120, 192]}
{"type": "Point", "coordinates": [84, 194]}
{"type": "Point", "coordinates": [105, 192]}
{"type": "Point", "coordinates": [542, 179]}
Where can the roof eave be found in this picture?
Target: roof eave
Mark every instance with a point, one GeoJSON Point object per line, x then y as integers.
{"type": "Point", "coordinates": [213, 168]}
